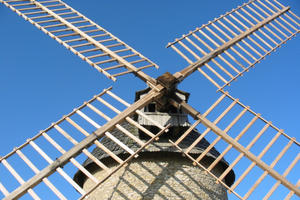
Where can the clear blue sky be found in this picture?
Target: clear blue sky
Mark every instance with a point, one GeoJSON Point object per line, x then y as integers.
{"type": "Point", "coordinates": [40, 80]}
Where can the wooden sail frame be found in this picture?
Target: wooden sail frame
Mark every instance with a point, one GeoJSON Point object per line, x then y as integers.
{"type": "Point", "coordinates": [245, 45]}
{"type": "Point", "coordinates": [79, 147]}
{"type": "Point", "coordinates": [246, 149]}
{"type": "Point", "coordinates": [83, 37]}
{"type": "Point", "coordinates": [68, 156]}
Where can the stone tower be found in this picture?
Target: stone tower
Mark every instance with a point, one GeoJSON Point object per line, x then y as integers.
{"type": "Point", "coordinates": [160, 171]}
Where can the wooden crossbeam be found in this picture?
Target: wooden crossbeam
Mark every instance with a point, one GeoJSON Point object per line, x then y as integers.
{"type": "Point", "coordinates": [78, 147]}
{"type": "Point", "coordinates": [65, 25]}
{"type": "Point", "coordinates": [254, 133]}
{"type": "Point", "coordinates": [234, 41]}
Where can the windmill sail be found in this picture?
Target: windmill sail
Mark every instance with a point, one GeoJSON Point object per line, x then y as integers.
{"type": "Point", "coordinates": [263, 157]}
{"type": "Point", "coordinates": [53, 153]}
{"type": "Point", "coordinates": [227, 47]}
{"type": "Point", "coordinates": [92, 43]}
{"type": "Point", "coordinates": [256, 150]}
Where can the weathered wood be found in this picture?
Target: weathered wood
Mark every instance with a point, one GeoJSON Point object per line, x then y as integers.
{"type": "Point", "coordinates": [140, 74]}
{"type": "Point", "coordinates": [127, 160]}
{"type": "Point", "coordinates": [209, 23]}
{"type": "Point", "coordinates": [85, 143]}
{"type": "Point", "coordinates": [257, 161]}
{"type": "Point", "coordinates": [190, 69]}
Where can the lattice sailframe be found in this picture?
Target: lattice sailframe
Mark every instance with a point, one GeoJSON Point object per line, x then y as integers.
{"type": "Point", "coordinates": [251, 144]}
{"type": "Point", "coordinates": [61, 143]}
{"type": "Point", "coordinates": [227, 47]}
{"type": "Point", "coordinates": [83, 37]}
{"type": "Point", "coordinates": [247, 34]}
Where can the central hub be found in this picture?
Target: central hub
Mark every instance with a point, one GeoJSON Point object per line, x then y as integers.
{"type": "Point", "coordinates": [168, 81]}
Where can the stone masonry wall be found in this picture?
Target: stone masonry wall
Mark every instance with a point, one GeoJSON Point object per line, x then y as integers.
{"type": "Point", "coordinates": [159, 178]}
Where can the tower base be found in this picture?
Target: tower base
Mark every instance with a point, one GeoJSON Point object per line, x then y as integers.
{"type": "Point", "coordinates": [158, 176]}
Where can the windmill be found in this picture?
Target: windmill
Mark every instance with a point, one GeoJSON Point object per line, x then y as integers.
{"type": "Point", "coordinates": [175, 102]}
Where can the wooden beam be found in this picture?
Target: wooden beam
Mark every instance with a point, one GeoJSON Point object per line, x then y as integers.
{"type": "Point", "coordinates": [205, 59]}
{"type": "Point", "coordinates": [64, 159]}
{"type": "Point", "coordinates": [194, 113]}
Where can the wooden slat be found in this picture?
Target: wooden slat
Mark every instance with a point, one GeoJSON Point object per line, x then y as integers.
{"type": "Point", "coordinates": [282, 17]}
{"type": "Point", "coordinates": [126, 161]}
{"type": "Point", "coordinates": [217, 120]}
{"type": "Point", "coordinates": [74, 24]}
{"type": "Point", "coordinates": [19, 178]}
{"type": "Point", "coordinates": [260, 179]}
{"type": "Point", "coordinates": [34, 13]}
{"type": "Point", "coordinates": [209, 78]}
{"type": "Point", "coordinates": [129, 71]}
{"type": "Point", "coordinates": [3, 190]}
{"type": "Point", "coordinates": [49, 1]}
{"type": "Point", "coordinates": [188, 131]}
{"type": "Point", "coordinates": [119, 127]}
{"type": "Point", "coordinates": [253, 125]}
{"type": "Point", "coordinates": [254, 49]}
{"type": "Point", "coordinates": [31, 8]}
{"type": "Point", "coordinates": [137, 111]}
{"type": "Point", "coordinates": [11, 1]}
{"type": "Point", "coordinates": [209, 23]}
{"type": "Point", "coordinates": [181, 54]}
{"type": "Point", "coordinates": [100, 164]}
{"type": "Point", "coordinates": [286, 172]}
{"type": "Point", "coordinates": [45, 180]}
{"type": "Point", "coordinates": [240, 156]}
{"type": "Point", "coordinates": [277, 22]}
{"type": "Point", "coordinates": [71, 159]}
{"type": "Point", "coordinates": [212, 144]}
{"type": "Point", "coordinates": [107, 134]}
{"type": "Point", "coordinates": [256, 160]}
{"type": "Point", "coordinates": [218, 159]}
{"type": "Point", "coordinates": [205, 169]}
{"type": "Point", "coordinates": [213, 60]}
{"type": "Point", "coordinates": [23, 4]}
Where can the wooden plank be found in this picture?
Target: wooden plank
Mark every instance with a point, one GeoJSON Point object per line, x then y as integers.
{"type": "Point", "coordinates": [216, 121]}
{"type": "Point", "coordinates": [261, 178]}
{"type": "Point", "coordinates": [45, 180]}
{"type": "Point", "coordinates": [140, 74]}
{"type": "Point", "coordinates": [190, 69]}
{"type": "Point", "coordinates": [209, 23]}
{"type": "Point", "coordinates": [212, 144]}
{"type": "Point", "coordinates": [129, 71]}
{"type": "Point", "coordinates": [240, 156]}
{"type": "Point", "coordinates": [218, 159]}
{"type": "Point", "coordinates": [19, 179]}
{"type": "Point", "coordinates": [213, 60]}
{"type": "Point", "coordinates": [240, 148]}
{"type": "Point", "coordinates": [205, 169]}
{"type": "Point", "coordinates": [126, 161]}
{"type": "Point", "coordinates": [85, 143]}
{"type": "Point", "coordinates": [3, 190]}
{"type": "Point", "coordinates": [286, 172]}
